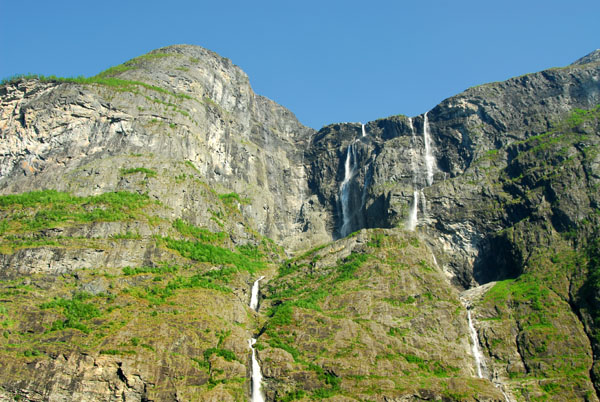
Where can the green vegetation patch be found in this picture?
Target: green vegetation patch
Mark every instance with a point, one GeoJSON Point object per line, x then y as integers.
{"type": "Point", "coordinates": [76, 311]}
{"type": "Point", "coordinates": [161, 269]}
{"type": "Point", "coordinates": [224, 353]}
{"type": "Point", "coordinates": [159, 294]}
{"type": "Point", "coordinates": [306, 291]}
{"type": "Point", "coordinates": [233, 199]}
{"type": "Point", "coordinates": [202, 252]}
{"type": "Point", "coordinates": [50, 208]}
{"type": "Point", "coordinates": [147, 172]}
{"type": "Point", "coordinates": [201, 234]}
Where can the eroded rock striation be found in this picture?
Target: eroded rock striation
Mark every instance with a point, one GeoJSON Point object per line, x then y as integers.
{"type": "Point", "coordinates": [139, 206]}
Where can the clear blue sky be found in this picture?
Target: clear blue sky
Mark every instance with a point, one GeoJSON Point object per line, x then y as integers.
{"type": "Point", "coordinates": [327, 61]}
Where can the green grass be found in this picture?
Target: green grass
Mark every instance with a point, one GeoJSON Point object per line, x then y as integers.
{"type": "Point", "coordinates": [201, 234]}
{"type": "Point", "coordinates": [147, 172]}
{"type": "Point", "coordinates": [231, 199]}
{"type": "Point", "coordinates": [75, 311]}
{"type": "Point", "coordinates": [214, 280]}
{"type": "Point", "coordinates": [161, 269]}
{"type": "Point", "coordinates": [203, 252]}
{"type": "Point", "coordinates": [524, 289]}
{"type": "Point", "coordinates": [224, 353]}
{"type": "Point", "coordinates": [50, 208]}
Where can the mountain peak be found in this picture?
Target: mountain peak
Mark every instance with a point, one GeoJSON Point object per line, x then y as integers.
{"type": "Point", "coordinates": [592, 57]}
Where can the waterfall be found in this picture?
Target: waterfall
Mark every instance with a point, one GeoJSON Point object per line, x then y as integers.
{"type": "Point", "coordinates": [411, 223]}
{"type": "Point", "coordinates": [349, 167]}
{"type": "Point", "coordinates": [364, 133]}
{"type": "Point", "coordinates": [429, 158]}
{"type": "Point", "coordinates": [413, 158]}
{"type": "Point", "coordinates": [257, 395]}
{"type": "Point", "coordinates": [254, 294]}
{"type": "Point", "coordinates": [477, 355]}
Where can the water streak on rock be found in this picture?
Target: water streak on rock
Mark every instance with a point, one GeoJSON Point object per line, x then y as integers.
{"type": "Point", "coordinates": [429, 158]}
{"type": "Point", "coordinates": [349, 166]}
{"type": "Point", "coordinates": [477, 355]}
{"type": "Point", "coordinates": [254, 294]}
{"type": "Point", "coordinates": [257, 395]}
{"type": "Point", "coordinates": [411, 223]}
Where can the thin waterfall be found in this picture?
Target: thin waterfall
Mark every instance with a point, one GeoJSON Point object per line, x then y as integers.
{"type": "Point", "coordinates": [364, 133]}
{"type": "Point", "coordinates": [254, 294]}
{"type": "Point", "coordinates": [411, 223]}
{"type": "Point", "coordinates": [429, 158]}
{"type": "Point", "coordinates": [349, 167]}
{"type": "Point", "coordinates": [257, 394]}
{"type": "Point", "coordinates": [477, 355]}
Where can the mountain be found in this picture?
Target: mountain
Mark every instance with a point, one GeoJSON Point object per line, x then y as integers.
{"type": "Point", "coordinates": [452, 255]}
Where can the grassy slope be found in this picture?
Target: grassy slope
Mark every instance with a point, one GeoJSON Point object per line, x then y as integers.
{"type": "Point", "coordinates": [178, 311]}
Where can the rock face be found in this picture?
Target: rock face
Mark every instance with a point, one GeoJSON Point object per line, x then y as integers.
{"type": "Point", "coordinates": [391, 159]}
{"type": "Point", "coordinates": [140, 205]}
{"type": "Point", "coordinates": [194, 109]}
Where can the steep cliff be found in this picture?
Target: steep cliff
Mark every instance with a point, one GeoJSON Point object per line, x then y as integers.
{"type": "Point", "coordinates": [457, 252]}
{"type": "Point", "coordinates": [177, 110]}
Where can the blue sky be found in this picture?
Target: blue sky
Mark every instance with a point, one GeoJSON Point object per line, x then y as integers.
{"type": "Point", "coordinates": [327, 61]}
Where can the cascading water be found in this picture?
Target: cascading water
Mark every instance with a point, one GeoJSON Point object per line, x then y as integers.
{"type": "Point", "coordinates": [477, 355]}
{"type": "Point", "coordinates": [411, 223]}
{"type": "Point", "coordinates": [364, 133]}
{"type": "Point", "coordinates": [429, 161]}
{"type": "Point", "coordinates": [254, 294]}
{"type": "Point", "coordinates": [429, 158]}
{"type": "Point", "coordinates": [257, 395]}
{"type": "Point", "coordinates": [349, 167]}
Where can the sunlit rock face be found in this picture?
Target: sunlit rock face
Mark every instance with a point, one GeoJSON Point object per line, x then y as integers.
{"type": "Point", "coordinates": [147, 201]}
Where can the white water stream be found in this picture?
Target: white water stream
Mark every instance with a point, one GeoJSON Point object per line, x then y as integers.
{"type": "Point", "coordinates": [364, 133]}
{"type": "Point", "coordinates": [254, 294]}
{"type": "Point", "coordinates": [411, 223]}
{"type": "Point", "coordinates": [429, 158]}
{"type": "Point", "coordinates": [349, 167]}
{"type": "Point", "coordinates": [257, 395]}
{"type": "Point", "coordinates": [477, 355]}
